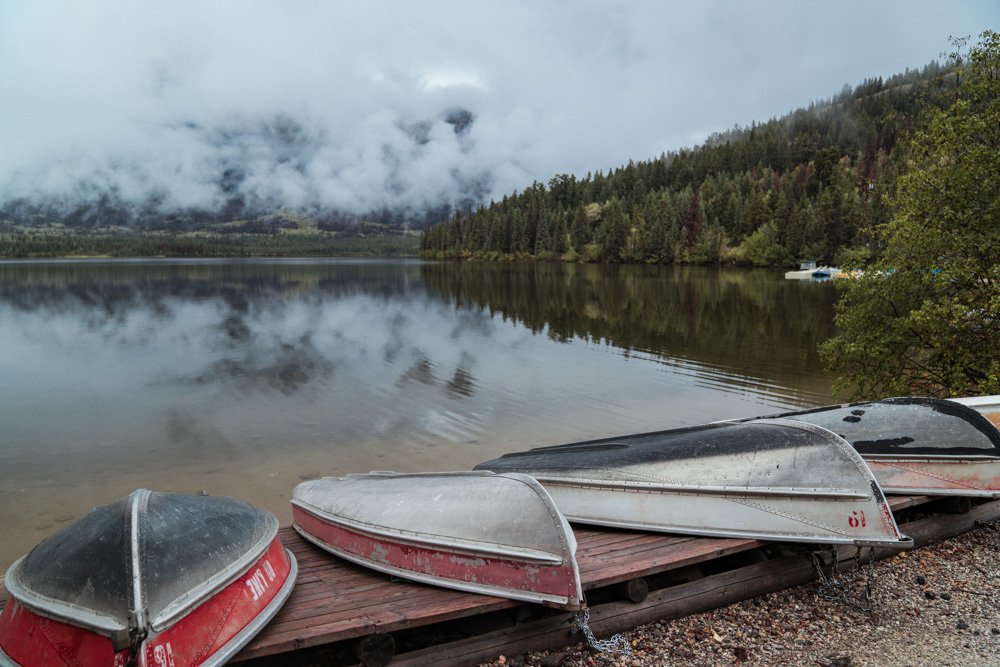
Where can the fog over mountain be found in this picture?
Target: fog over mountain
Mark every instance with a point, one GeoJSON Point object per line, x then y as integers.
{"type": "Point", "coordinates": [366, 107]}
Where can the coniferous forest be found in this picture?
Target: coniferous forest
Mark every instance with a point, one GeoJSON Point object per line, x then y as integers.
{"type": "Point", "coordinates": [804, 186]}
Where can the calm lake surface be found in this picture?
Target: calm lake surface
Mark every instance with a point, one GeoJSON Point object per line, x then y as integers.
{"type": "Point", "coordinates": [244, 377]}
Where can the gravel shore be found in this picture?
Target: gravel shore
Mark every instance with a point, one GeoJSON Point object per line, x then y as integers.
{"type": "Point", "coordinates": [935, 605]}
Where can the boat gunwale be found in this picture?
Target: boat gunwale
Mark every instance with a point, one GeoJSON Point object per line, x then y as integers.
{"type": "Point", "coordinates": [904, 541]}
{"type": "Point", "coordinates": [934, 458]}
{"type": "Point", "coordinates": [257, 623]}
{"type": "Point", "coordinates": [629, 486]}
{"type": "Point", "coordinates": [518, 594]}
{"type": "Point", "coordinates": [59, 610]}
{"type": "Point", "coordinates": [965, 492]}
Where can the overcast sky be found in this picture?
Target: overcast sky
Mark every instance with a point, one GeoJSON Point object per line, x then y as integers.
{"type": "Point", "coordinates": [319, 103]}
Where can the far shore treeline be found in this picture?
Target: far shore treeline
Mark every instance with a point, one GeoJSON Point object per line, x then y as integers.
{"type": "Point", "coordinates": [804, 186]}
{"type": "Point", "coordinates": [277, 236]}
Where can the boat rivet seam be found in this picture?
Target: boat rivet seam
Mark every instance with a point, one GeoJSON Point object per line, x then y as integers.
{"type": "Point", "coordinates": [943, 478]}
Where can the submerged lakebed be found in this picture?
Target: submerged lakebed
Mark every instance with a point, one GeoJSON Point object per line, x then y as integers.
{"type": "Point", "coordinates": [242, 378]}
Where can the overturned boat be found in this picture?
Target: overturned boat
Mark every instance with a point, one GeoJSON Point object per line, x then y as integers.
{"type": "Point", "coordinates": [987, 406]}
{"type": "Point", "coordinates": [152, 579]}
{"type": "Point", "coordinates": [472, 531]}
{"type": "Point", "coordinates": [924, 446]}
{"type": "Point", "coordinates": [766, 479]}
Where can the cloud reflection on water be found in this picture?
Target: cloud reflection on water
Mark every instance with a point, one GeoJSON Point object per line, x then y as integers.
{"type": "Point", "coordinates": [240, 357]}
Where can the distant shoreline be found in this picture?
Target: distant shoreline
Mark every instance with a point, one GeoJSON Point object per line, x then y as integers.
{"type": "Point", "coordinates": [65, 243]}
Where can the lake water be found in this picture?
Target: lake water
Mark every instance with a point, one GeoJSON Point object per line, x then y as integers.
{"type": "Point", "coordinates": [244, 377]}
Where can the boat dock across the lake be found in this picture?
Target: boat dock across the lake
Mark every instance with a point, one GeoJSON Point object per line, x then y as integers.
{"type": "Point", "coordinates": [341, 613]}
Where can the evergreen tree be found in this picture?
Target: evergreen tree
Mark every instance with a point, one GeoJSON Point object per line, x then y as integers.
{"type": "Point", "coordinates": [580, 231]}
{"type": "Point", "coordinates": [613, 233]}
{"type": "Point", "coordinates": [757, 213]}
{"type": "Point", "coordinates": [664, 230]}
{"type": "Point", "coordinates": [500, 233]}
{"type": "Point", "coordinates": [638, 243]}
{"type": "Point", "coordinates": [560, 240]}
{"type": "Point", "coordinates": [543, 240]}
{"type": "Point", "coordinates": [694, 219]}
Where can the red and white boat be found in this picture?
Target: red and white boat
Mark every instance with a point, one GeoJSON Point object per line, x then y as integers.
{"type": "Point", "coordinates": [471, 531]}
{"type": "Point", "coordinates": [153, 580]}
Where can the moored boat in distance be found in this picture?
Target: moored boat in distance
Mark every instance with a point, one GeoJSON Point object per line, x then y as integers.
{"type": "Point", "coordinates": [472, 531]}
{"type": "Point", "coordinates": [925, 446]}
{"type": "Point", "coordinates": [768, 479]}
{"type": "Point", "coordinates": [809, 271]}
{"type": "Point", "coordinates": [152, 579]}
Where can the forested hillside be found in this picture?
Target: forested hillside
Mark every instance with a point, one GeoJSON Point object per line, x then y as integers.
{"type": "Point", "coordinates": [803, 186]}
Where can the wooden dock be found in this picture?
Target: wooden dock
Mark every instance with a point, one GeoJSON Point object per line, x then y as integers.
{"type": "Point", "coordinates": [336, 600]}
{"type": "Point", "coordinates": [341, 608]}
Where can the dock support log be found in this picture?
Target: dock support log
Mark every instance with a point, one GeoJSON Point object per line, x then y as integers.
{"type": "Point", "coordinates": [376, 650]}
{"type": "Point", "coordinates": [633, 590]}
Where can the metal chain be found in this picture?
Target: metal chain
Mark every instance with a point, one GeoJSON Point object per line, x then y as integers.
{"type": "Point", "coordinates": [135, 649]}
{"type": "Point", "coordinates": [603, 645]}
{"type": "Point", "coordinates": [834, 590]}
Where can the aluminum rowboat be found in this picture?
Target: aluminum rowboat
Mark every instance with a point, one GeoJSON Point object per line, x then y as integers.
{"type": "Point", "coordinates": [472, 531]}
{"type": "Point", "coordinates": [925, 446]}
{"type": "Point", "coordinates": [987, 406]}
{"type": "Point", "coordinates": [154, 579]}
{"type": "Point", "coordinates": [768, 479]}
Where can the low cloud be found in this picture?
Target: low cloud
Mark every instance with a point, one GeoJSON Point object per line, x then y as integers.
{"type": "Point", "coordinates": [406, 106]}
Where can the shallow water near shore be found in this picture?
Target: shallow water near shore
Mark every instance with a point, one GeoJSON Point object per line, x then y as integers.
{"type": "Point", "coordinates": [242, 378]}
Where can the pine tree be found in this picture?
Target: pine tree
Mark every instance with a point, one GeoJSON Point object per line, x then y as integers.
{"type": "Point", "coordinates": [694, 219]}
{"type": "Point", "coordinates": [613, 234]}
{"type": "Point", "coordinates": [560, 240]}
{"type": "Point", "coordinates": [580, 231]}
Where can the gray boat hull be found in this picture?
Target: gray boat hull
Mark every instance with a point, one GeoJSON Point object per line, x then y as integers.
{"type": "Point", "coordinates": [769, 479]}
